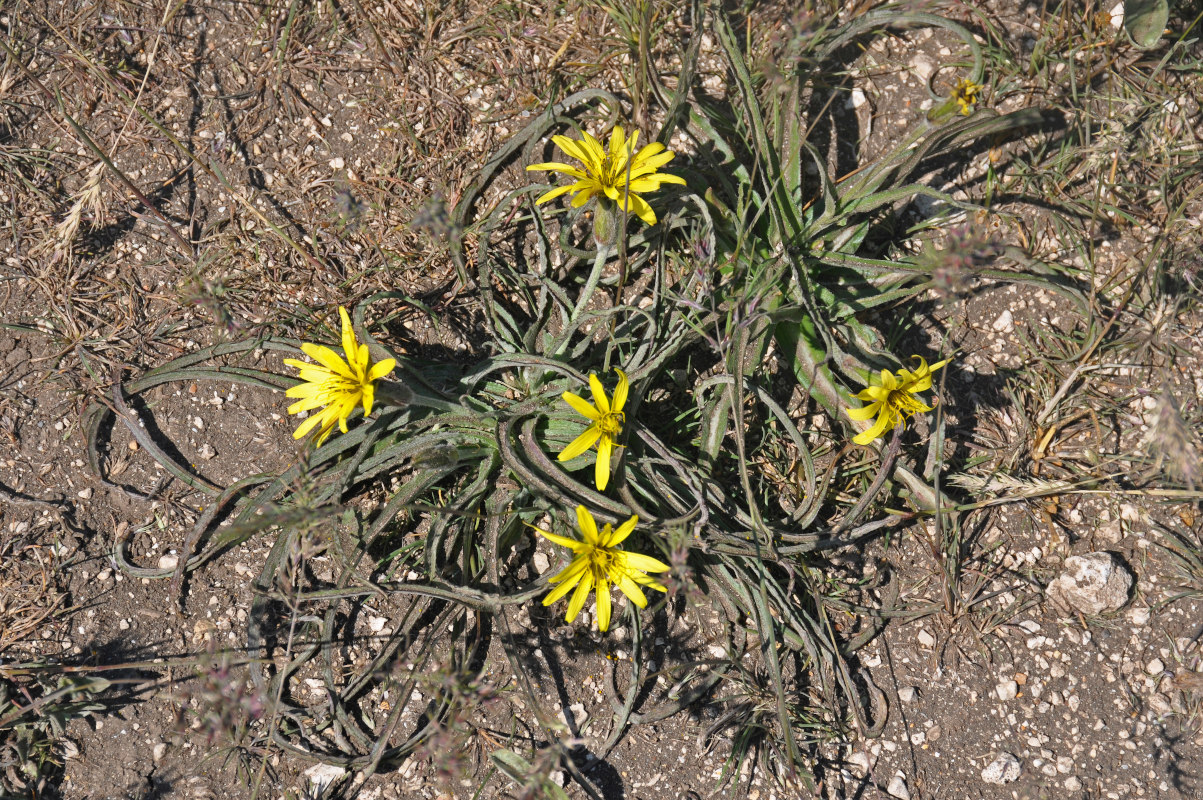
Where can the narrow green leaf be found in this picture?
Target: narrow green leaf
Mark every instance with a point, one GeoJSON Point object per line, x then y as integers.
{"type": "Point", "coordinates": [515, 767]}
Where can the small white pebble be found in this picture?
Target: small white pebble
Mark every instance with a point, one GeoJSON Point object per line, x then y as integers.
{"type": "Point", "coordinates": [1117, 22]}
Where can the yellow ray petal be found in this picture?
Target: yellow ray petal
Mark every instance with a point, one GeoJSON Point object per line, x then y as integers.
{"type": "Point", "coordinates": [864, 413]}
{"type": "Point", "coordinates": [879, 427]}
{"type": "Point", "coordinates": [631, 590]}
{"type": "Point", "coordinates": [623, 531]}
{"type": "Point", "coordinates": [642, 563]}
{"type": "Point", "coordinates": [587, 526]}
{"type": "Point", "coordinates": [581, 406]}
{"type": "Point", "coordinates": [640, 208]}
{"type": "Point", "coordinates": [603, 604]}
{"type": "Point", "coordinates": [328, 359]}
{"type": "Point", "coordinates": [601, 472]}
{"type": "Point", "coordinates": [568, 579]}
{"type": "Point", "coordinates": [556, 166]}
{"type": "Point", "coordinates": [581, 443]}
{"type": "Point", "coordinates": [381, 369]}
{"type": "Point", "coordinates": [579, 596]}
{"type": "Point", "coordinates": [584, 192]}
{"type": "Point", "coordinates": [349, 346]}
{"type": "Point", "coordinates": [552, 194]}
{"type": "Point", "coordinates": [599, 396]}
{"type": "Point", "coordinates": [306, 426]}
{"type": "Point", "coordinates": [563, 541]}
{"type": "Point", "coordinates": [620, 392]}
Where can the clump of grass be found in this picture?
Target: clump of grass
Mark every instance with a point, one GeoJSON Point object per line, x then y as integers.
{"type": "Point", "coordinates": [35, 707]}
{"type": "Point", "coordinates": [776, 254]}
{"type": "Point", "coordinates": [87, 200]}
{"type": "Point", "coordinates": [29, 592]}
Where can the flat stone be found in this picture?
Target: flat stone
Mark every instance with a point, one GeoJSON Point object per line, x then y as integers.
{"type": "Point", "coordinates": [923, 67]}
{"type": "Point", "coordinates": [322, 775]}
{"type": "Point", "coordinates": [1091, 584]}
{"type": "Point", "coordinates": [1003, 769]}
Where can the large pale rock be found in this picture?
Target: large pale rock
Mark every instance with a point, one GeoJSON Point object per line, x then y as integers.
{"type": "Point", "coordinates": [1004, 769]}
{"type": "Point", "coordinates": [1090, 584]}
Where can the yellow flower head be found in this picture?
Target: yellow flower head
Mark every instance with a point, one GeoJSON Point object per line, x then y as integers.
{"type": "Point", "coordinates": [336, 384]}
{"type": "Point", "coordinates": [893, 402]}
{"type": "Point", "coordinates": [607, 418]}
{"type": "Point", "coordinates": [966, 93]}
{"type": "Point", "coordinates": [605, 172]}
{"type": "Point", "coordinates": [597, 563]}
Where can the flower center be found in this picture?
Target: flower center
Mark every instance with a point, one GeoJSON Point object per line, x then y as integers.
{"type": "Point", "coordinates": [611, 176]}
{"type": "Point", "coordinates": [345, 386]}
{"type": "Point", "coordinates": [903, 404]}
{"type": "Point", "coordinates": [611, 424]}
{"type": "Point", "coordinates": [601, 560]}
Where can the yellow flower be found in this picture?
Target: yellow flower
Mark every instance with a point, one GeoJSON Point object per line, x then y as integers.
{"type": "Point", "coordinates": [893, 402]}
{"type": "Point", "coordinates": [965, 93]}
{"type": "Point", "coordinates": [336, 384]}
{"type": "Point", "coordinates": [605, 173]}
{"type": "Point", "coordinates": [607, 418]}
{"type": "Point", "coordinates": [597, 563]}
